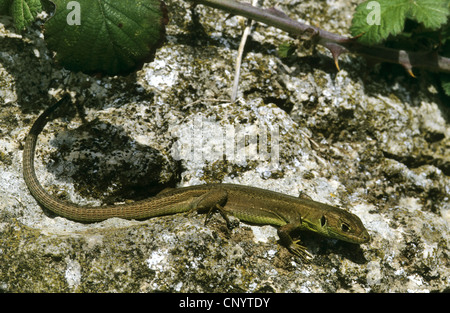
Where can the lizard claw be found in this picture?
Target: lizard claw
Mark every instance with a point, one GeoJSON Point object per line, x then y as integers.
{"type": "Point", "coordinates": [297, 249]}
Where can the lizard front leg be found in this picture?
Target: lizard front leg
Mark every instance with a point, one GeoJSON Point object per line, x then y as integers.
{"type": "Point", "coordinates": [294, 246]}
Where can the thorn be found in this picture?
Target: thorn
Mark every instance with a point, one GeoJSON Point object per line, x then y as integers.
{"type": "Point", "coordinates": [404, 61]}
{"type": "Point", "coordinates": [410, 72]}
{"type": "Point", "coordinates": [357, 36]}
{"type": "Point", "coordinates": [336, 50]}
{"type": "Point", "coordinates": [408, 69]}
{"type": "Point", "coordinates": [336, 62]}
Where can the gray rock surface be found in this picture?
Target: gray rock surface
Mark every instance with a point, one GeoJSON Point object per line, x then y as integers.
{"type": "Point", "coordinates": [374, 141]}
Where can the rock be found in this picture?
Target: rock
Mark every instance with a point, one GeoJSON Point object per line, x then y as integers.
{"type": "Point", "coordinates": [375, 142]}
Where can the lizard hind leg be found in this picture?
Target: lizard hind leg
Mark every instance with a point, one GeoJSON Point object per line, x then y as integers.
{"type": "Point", "coordinates": [215, 199]}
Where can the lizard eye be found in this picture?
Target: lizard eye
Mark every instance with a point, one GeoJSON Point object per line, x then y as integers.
{"type": "Point", "coordinates": [323, 221]}
{"type": "Point", "coordinates": [345, 227]}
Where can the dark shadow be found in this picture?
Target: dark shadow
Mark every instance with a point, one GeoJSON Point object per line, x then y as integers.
{"type": "Point", "coordinates": [323, 246]}
{"type": "Point", "coordinates": [104, 163]}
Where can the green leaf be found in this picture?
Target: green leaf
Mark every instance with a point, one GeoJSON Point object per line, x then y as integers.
{"type": "Point", "coordinates": [445, 51]}
{"type": "Point", "coordinates": [445, 82]}
{"type": "Point", "coordinates": [106, 36]}
{"type": "Point", "coordinates": [377, 20]}
{"type": "Point", "coordinates": [431, 13]}
{"type": "Point", "coordinates": [286, 49]}
{"type": "Point", "coordinates": [23, 12]}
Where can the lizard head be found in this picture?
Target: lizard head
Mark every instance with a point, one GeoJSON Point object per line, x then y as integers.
{"type": "Point", "coordinates": [342, 225]}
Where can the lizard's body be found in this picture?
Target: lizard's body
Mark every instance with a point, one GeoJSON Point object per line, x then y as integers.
{"type": "Point", "coordinates": [248, 204]}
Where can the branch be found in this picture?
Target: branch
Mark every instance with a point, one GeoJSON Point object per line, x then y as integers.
{"type": "Point", "coordinates": [240, 54]}
{"type": "Point", "coordinates": [337, 44]}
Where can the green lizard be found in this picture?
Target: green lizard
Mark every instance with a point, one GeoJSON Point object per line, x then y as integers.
{"type": "Point", "coordinates": [248, 204]}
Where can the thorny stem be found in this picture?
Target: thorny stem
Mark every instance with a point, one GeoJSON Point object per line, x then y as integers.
{"type": "Point", "coordinates": [335, 43]}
